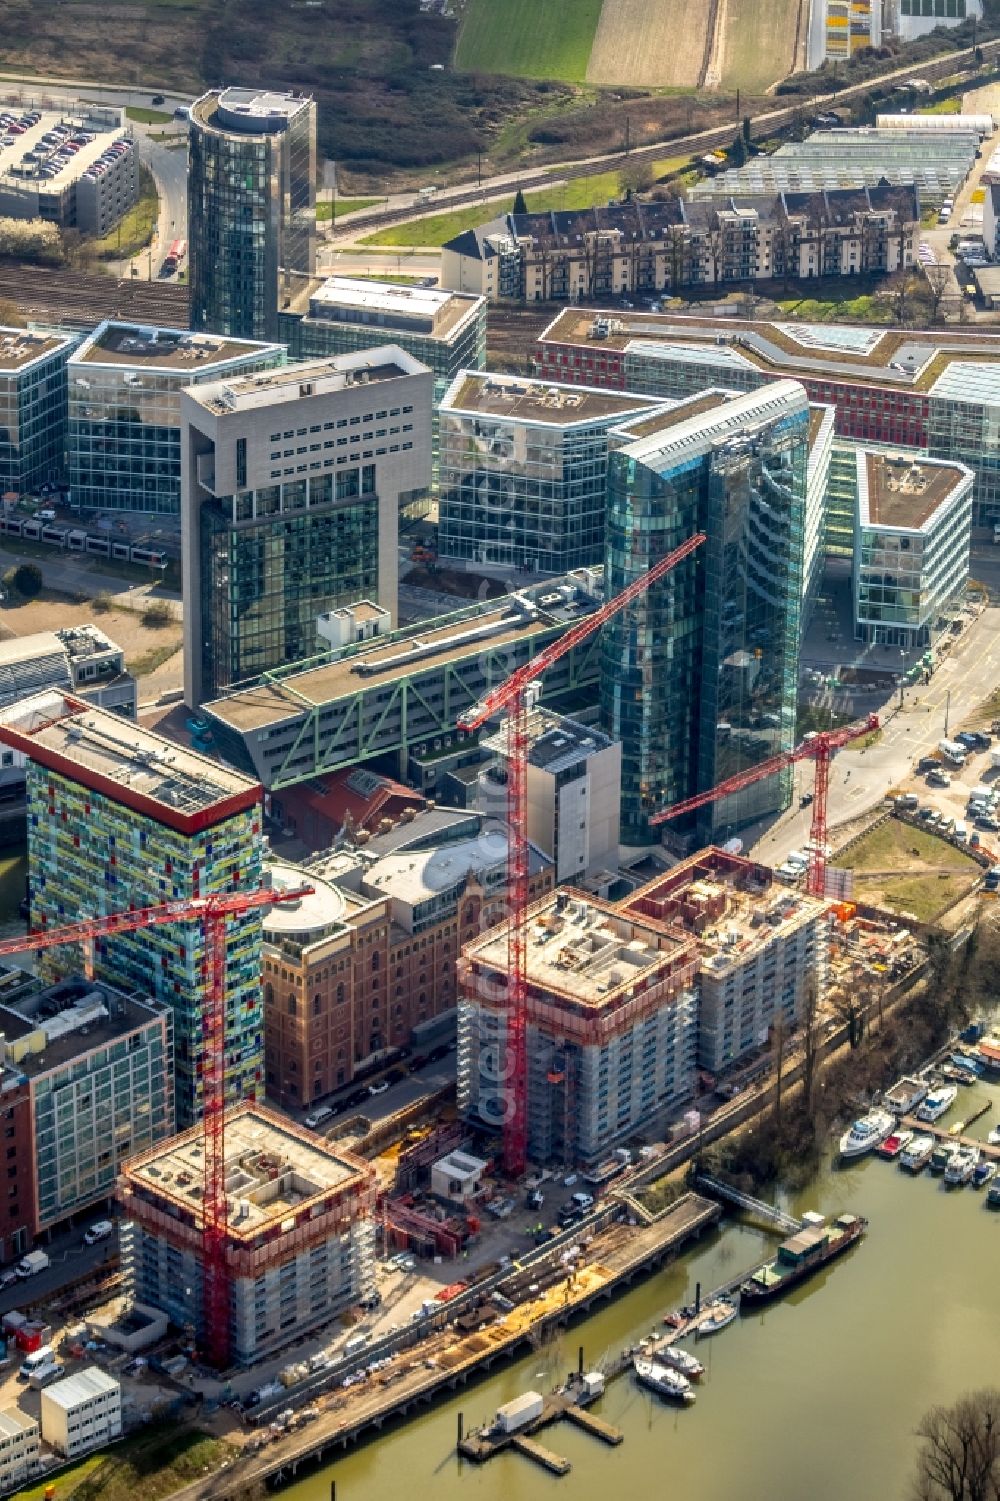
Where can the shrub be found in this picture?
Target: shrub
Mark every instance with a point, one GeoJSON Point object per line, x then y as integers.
{"type": "Point", "coordinates": [28, 580]}
{"type": "Point", "coordinates": [157, 613]}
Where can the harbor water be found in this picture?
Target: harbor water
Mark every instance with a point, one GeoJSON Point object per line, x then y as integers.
{"type": "Point", "coordinates": [817, 1396]}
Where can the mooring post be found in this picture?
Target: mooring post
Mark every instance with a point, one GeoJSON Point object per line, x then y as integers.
{"type": "Point", "coordinates": [461, 1426]}
{"type": "Point", "coordinates": [580, 1361]}
{"type": "Point", "coordinates": [697, 1297]}
{"type": "Point", "coordinates": [333, 1490]}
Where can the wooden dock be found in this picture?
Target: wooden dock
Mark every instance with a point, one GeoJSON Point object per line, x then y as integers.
{"type": "Point", "coordinates": [591, 1423]}
{"type": "Point", "coordinates": [542, 1456]}
{"type": "Point", "coordinates": [939, 1133]}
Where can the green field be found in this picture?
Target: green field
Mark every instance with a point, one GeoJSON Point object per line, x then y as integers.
{"type": "Point", "coordinates": [345, 206]}
{"type": "Point", "coordinates": [148, 116]}
{"type": "Point", "coordinates": [528, 38]}
{"type": "Point", "coordinates": [428, 233]}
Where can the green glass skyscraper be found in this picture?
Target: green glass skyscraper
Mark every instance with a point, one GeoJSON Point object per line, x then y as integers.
{"type": "Point", "coordinates": [251, 208]}
{"type": "Point", "coordinates": [699, 674]}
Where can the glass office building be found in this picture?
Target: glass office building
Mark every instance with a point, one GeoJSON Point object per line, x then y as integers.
{"type": "Point", "coordinates": [912, 532]}
{"type": "Point", "coordinates": [292, 484]}
{"type": "Point", "coordinates": [698, 675]}
{"type": "Point", "coordinates": [124, 434]}
{"type": "Point", "coordinates": [251, 208]}
{"type": "Point", "coordinates": [32, 408]}
{"type": "Point", "coordinates": [523, 472]}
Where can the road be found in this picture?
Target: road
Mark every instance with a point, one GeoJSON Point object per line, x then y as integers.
{"type": "Point", "coordinates": [334, 261]}
{"type": "Point", "coordinates": [409, 205]}
{"type": "Point", "coordinates": [860, 779]}
{"type": "Point", "coordinates": [70, 1258]}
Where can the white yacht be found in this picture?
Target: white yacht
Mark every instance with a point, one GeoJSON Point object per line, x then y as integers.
{"type": "Point", "coordinates": [915, 1156]}
{"type": "Point", "coordinates": [937, 1102]}
{"type": "Point", "coordinates": [962, 1166]}
{"type": "Point", "coordinates": [867, 1133]}
{"type": "Point", "coordinates": [682, 1360]}
{"type": "Point", "coordinates": [662, 1380]}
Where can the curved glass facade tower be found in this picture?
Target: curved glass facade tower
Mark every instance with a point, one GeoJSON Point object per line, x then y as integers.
{"type": "Point", "coordinates": [251, 208]}
{"type": "Point", "coordinates": [699, 674]}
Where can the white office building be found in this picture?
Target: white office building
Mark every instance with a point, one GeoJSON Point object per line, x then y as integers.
{"type": "Point", "coordinates": [81, 1411]}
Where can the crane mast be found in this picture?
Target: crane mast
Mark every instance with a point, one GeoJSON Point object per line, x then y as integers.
{"type": "Point", "coordinates": [515, 697]}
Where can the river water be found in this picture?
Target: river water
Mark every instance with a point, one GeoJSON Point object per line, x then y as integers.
{"type": "Point", "coordinates": [817, 1397]}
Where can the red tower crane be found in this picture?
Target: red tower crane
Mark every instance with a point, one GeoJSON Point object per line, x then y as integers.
{"type": "Point", "coordinates": [818, 748]}
{"type": "Point", "coordinates": [513, 696]}
{"type": "Point", "coordinates": [211, 912]}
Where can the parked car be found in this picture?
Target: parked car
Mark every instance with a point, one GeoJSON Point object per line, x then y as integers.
{"type": "Point", "coordinates": [381, 1086]}
{"type": "Point", "coordinates": [157, 99]}
{"type": "Point", "coordinates": [99, 1230]}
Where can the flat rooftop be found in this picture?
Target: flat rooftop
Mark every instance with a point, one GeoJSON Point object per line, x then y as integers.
{"type": "Point", "coordinates": [307, 916]}
{"type": "Point", "coordinates": [515, 399]}
{"type": "Point", "coordinates": [274, 1171]}
{"type": "Point", "coordinates": [171, 350]}
{"type": "Point", "coordinates": [307, 380]}
{"type": "Point", "coordinates": [21, 347]}
{"type": "Point", "coordinates": [554, 741]}
{"type": "Point", "coordinates": [419, 875]}
{"type": "Point", "coordinates": [402, 654]}
{"type": "Point", "coordinates": [384, 305]}
{"type": "Point", "coordinates": [584, 949]}
{"type": "Point", "coordinates": [129, 763]}
{"type": "Point", "coordinates": [903, 491]}
{"type": "Point", "coordinates": [81, 1387]}
{"type": "Point", "coordinates": [45, 1027]}
{"type": "Point", "coordinates": [673, 414]}
{"type": "Point", "coordinates": [248, 111]}
{"type": "Point", "coordinates": [23, 153]}
{"type": "Point", "coordinates": [843, 352]}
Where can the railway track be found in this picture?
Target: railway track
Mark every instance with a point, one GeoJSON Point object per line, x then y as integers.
{"type": "Point", "coordinates": [78, 299]}
{"type": "Point", "coordinates": [694, 144]}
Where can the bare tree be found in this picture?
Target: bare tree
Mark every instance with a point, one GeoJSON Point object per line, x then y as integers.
{"type": "Point", "coordinates": [960, 1454]}
{"type": "Point", "coordinates": [810, 1042]}
{"type": "Point", "coordinates": [779, 1036]}
{"type": "Point", "coordinates": [897, 295]}
{"type": "Point", "coordinates": [938, 286]}
{"type": "Point", "coordinates": [637, 177]}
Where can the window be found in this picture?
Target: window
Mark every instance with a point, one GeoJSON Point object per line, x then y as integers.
{"type": "Point", "coordinates": [291, 1005]}
{"type": "Point", "coordinates": [241, 463]}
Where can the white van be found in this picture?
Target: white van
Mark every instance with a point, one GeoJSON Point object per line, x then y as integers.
{"type": "Point", "coordinates": [44, 1355]}
{"type": "Point", "coordinates": [355, 1344]}
{"type": "Point", "coordinates": [314, 1121]}
{"type": "Point", "coordinates": [961, 832]}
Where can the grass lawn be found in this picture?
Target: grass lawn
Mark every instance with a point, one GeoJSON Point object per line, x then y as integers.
{"type": "Point", "coordinates": [581, 192]}
{"type": "Point", "coordinates": [896, 845]}
{"type": "Point", "coordinates": [528, 38]}
{"type": "Point", "coordinates": [941, 107]}
{"type": "Point", "coordinates": [760, 38]}
{"type": "Point", "coordinates": [147, 116]}
{"type": "Point", "coordinates": [864, 308]}
{"type": "Point", "coordinates": [136, 228]}
{"type": "Point", "coordinates": [344, 206]}
{"type": "Point", "coordinates": [910, 871]}
{"type": "Point", "coordinates": [66, 1483]}
{"type": "Point", "coordinates": [152, 1464]}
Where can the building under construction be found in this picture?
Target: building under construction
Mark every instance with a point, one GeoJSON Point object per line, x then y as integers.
{"type": "Point", "coordinates": [760, 945]}
{"type": "Point", "coordinates": [612, 1025]}
{"type": "Point", "coordinates": [299, 1240]}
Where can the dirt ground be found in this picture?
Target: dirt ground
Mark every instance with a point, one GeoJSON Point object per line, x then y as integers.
{"type": "Point", "coordinates": [652, 43]}
{"type": "Point", "coordinates": [153, 653]}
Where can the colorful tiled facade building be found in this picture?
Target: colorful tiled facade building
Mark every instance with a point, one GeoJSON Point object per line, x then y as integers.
{"type": "Point", "coordinates": [120, 817]}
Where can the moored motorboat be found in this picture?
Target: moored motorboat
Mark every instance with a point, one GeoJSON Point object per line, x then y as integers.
{"type": "Point", "coordinates": [983, 1172]}
{"type": "Point", "coordinates": [868, 1132]}
{"type": "Point", "coordinates": [940, 1100]}
{"type": "Point", "coordinates": [717, 1316]}
{"type": "Point", "coordinates": [683, 1361]}
{"type": "Point", "coordinates": [942, 1155]}
{"type": "Point", "coordinates": [961, 1167]}
{"type": "Point", "coordinates": [916, 1156]}
{"type": "Point", "coordinates": [993, 1194]}
{"type": "Point", "coordinates": [662, 1379]}
{"type": "Point", "coordinates": [894, 1143]}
